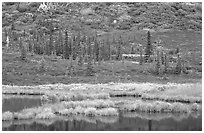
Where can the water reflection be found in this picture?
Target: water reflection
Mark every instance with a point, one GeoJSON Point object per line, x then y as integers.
{"type": "Point", "coordinates": [150, 125]}
{"type": "Point", "coordinates": [125, 121]}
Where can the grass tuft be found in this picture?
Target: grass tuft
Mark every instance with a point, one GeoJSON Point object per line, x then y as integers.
{"type": "Point", "coordinates": [7, 116]}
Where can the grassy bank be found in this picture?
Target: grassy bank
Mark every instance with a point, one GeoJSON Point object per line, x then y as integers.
{"type": "Point", "coordinates": [18, 72]}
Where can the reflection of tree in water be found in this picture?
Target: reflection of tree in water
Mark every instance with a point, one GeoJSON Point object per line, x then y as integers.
{"type": "Point", "coordinates": [158, 116]}
{"type": "Point", "coordinates": [66, 126]}
{"type": "Point", "coordinates": [150, 125]}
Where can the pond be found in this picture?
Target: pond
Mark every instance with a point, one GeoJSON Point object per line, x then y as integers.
{"type": "Point", "coordinates": [17, 103]}
{"type": "Point", "coordinates": [121, 123]}
{"type": "Point", "coordinates": [126, 121]}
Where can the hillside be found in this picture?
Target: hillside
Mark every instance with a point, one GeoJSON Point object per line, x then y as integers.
{"type": "Point", "coordinates": [57, 31]}
{"type": "Point", "coordinates": [107, 16]}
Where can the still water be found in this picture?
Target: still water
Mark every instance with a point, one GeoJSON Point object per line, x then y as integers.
{"type": "Point", "coordinates": [15, 104]}
{"type": "Point", "coordinates": [121, 123]}
{"type": "Point", "coordinates": [126, 121]}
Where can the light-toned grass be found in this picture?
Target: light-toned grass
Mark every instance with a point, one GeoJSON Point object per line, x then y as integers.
{"type": "Point", "coordinates": [172, 98]}
{"type": "Point", "coordinates": [160, 106]}
{"type": "Point", "coordinates": [24, 116]}
{"type": "Point", "coordinates": [73, 96]}
{"type": "Point", "coordinates": [195, 107]}
{"type": "Point", "coordinates": [179, 107]}
{"type": "Point", "coordinates": [170, 91]}
{"type": "Point", "coordinates": [98, 103]}
{"type": "Point", "coordinates": [66, 112]}
{"type": "Point", "coordinates": [46, 114]}
{"type": "Point", "coordinates": [107, 112]}
{"type": "Point", "coordinates": [7, 116]}
{"type": "Point", "coordinates": [90, 111]}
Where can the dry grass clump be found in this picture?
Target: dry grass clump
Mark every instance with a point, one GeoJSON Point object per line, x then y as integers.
{"type": "Point", "coordinates": [179, 98]}
{"type": "Point", "coordinates": [55, 107]}
{"type": "Point", "coordinates": [179, 107]}
{"type": "Point", "coordinates": [7, 116]}
{"type": "Point", "coordinates": [195, 107]}
{"type": "Point", "coordinates": [79, 110]}
{"type": "Point", "coordinates": [98, 103]}
{"type": "Point", "coordinates": [49, 98]}
{"type": "Point", "coordinates": [46, 114]}
{"type": "Point", "coordinates": [160, 106]}
{"type": "Point", "coordinates": [90, 111]}
{"type": "Point", "coordinates": [66, 112]}
{"type": "Point", "coordinates": [73, 96]}
{"type": "Point", "coordinates": [24, 116]}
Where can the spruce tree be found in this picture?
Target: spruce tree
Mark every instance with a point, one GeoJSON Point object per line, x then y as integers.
{"type": "Point", "coordinates": [162, 57]}
{"type": "Point", "coordinates": [89, 70]}
{"type": "Point", "coordinates": [141, 58]}
{"type": "Point", "coordinates": [148, 50]}
{"type": "Point", "coordinates": [22, 49]}
{"type": "Point", "coordinates": [73, 41]}
{"type": "Point", "coordinates": [119, 54]}
{"type": "Point", "coordinates": [178, 68]}
{"type": "Point", "coordinates": [96, 49]}
{"type": "Point", "coordinates": [41, 65]}
{"type": "Point", "coordinates": [67, 46]}
{"type": "Point", "coordinates": [30, 47]}
{"type": "Point", "coordinates": [58, 45]}
{"type": "Point", "coordinates": [132, 50]}
{"type": "Point", "coordinates": [158, 64]}
{"type": "Point", "coordinates": [50, 44]}
{"type": "Point", "coordinates": [109, 47]}
{"type": "Point", "coordinates": [166, 63]}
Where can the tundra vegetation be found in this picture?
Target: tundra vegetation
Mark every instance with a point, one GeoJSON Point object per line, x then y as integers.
{"type": "Point", "coordinates": [90, 60]}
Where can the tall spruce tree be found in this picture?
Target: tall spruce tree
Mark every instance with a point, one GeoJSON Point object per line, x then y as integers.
{"type": "Point", "coordinates": [22, 49]}
{"type": "Point", "coordinates": [166, 63]}
{"type": "Point", "coordinates": [141, 57]}
{"type": "Point", "coordinates": [158, 63]}
{"type": "Point", "coordinates": [66, 46]}
{"type": "Point", "coordinates": [109, 47]}
{"type": "Point", "coordinates": [119, 54]}
{"type": "Point", "coordinates": [148, 50]}
{"type": "Point", "coordinates": [58, 45]}
{"type": "Point", "coordinates": [89, 70]}
{"type": "Point", "coordinates": [178, 68]}
{"type": "Point", "coordinates": [96, 49]}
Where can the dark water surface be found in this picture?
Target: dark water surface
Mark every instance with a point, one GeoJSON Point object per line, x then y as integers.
{"type": "Point", "coordinates": [121, 124]}
{"type": "Point", "coordinates": [15, 104]}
